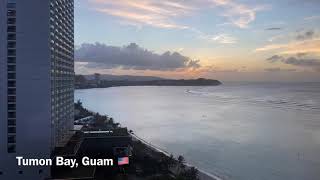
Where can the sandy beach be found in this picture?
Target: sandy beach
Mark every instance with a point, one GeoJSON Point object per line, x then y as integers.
{"type": "Point", "coordinates": [202, 174]}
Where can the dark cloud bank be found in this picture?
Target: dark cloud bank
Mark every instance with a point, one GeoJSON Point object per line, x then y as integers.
{"type": "Point", "coordinates": [306, 35]}
{"type": "Point", "coordinates": [300, 59]}
{"type": "Point", "coordinates": [102, 56]}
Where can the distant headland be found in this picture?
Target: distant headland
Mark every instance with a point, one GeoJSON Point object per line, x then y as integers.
{"type": "Point", "coordinates": [105, 81]}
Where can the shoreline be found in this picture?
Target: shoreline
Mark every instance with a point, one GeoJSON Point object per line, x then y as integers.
{"type": "Point", "coordinates": [203, 175]}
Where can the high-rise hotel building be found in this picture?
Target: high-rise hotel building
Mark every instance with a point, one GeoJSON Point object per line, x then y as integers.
{"type": "Point", "coordinates": [36, 82]}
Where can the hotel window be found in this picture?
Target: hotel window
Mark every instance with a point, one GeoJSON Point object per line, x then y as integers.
{"type": "Point", "coordinates": [11, 20]}
{"type": "Point", "coordinates": [11, 148]}
{"type": "Point", "coordinates": [11, 114]}
{"type": "Point", "coordinates": [11, 99]}
{"type": "Point", "coordinates": [11, 122]}
{"type": "Point", "coordinates": [11, 52]}
{"type": "Point", "coordinates": [11, 68]}
{"type": "Point", "coordinates": [11, 83]}
{"type": "Point", "coordinates": [11, 91]}
{"type": "Point", "coordinates": [11, 12]}
{"type": "Point", "coordinates": [11, 139]}
{"type": "Point", "coordinates": [12, 37]}
{"type": "Point", "coordinates": [11, 44]}
{"type": "Point", "coordinates": [11, 59]}
{"type": "Point", "coordinates": [11, 29]}
{"type": "Point", "coordinates": [11, 75]}
{"type": "Point", "coordinates": [11, 107]}
{"type": "Point", "coordinates": [11, 129]}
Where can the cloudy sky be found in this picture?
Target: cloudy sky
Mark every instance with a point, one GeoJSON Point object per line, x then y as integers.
{"type": "Point", "coordinates": [230, 40]}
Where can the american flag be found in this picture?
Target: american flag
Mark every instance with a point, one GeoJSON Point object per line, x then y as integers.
{"type": "Point", "coordinates": [123, 160]}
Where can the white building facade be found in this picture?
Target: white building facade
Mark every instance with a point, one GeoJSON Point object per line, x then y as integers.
{"type": "Point", "coordinates": [36, 82]}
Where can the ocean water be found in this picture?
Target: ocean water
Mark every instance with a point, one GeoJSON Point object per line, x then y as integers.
{"type": "Point", "coordinates": [238, 131]}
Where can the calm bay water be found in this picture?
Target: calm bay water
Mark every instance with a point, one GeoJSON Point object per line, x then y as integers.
{"type": "Point", "coordinates": [237, 131]}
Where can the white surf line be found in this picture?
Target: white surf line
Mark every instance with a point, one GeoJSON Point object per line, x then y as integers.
{"type": "Point", "coordinates": [151, 145]}
{"type": "Point", "coordinates": [212, 176]}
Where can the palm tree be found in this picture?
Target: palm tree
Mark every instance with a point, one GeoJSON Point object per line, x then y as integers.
{"type": "Point", "coordinates": [192, 173]}
{"type": "Point", "coordinates": [181, 162]}
{"type": "Point", "coordinates": [172, 161]}
{"type": "Point", "coordinates": [78, 104]}
{"type": "Point", "coordinates": [181, 159]}
{"type": "Point", "coordinates": [111, 121]}
{"type": "Point", "coordinates": [189, 174]}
